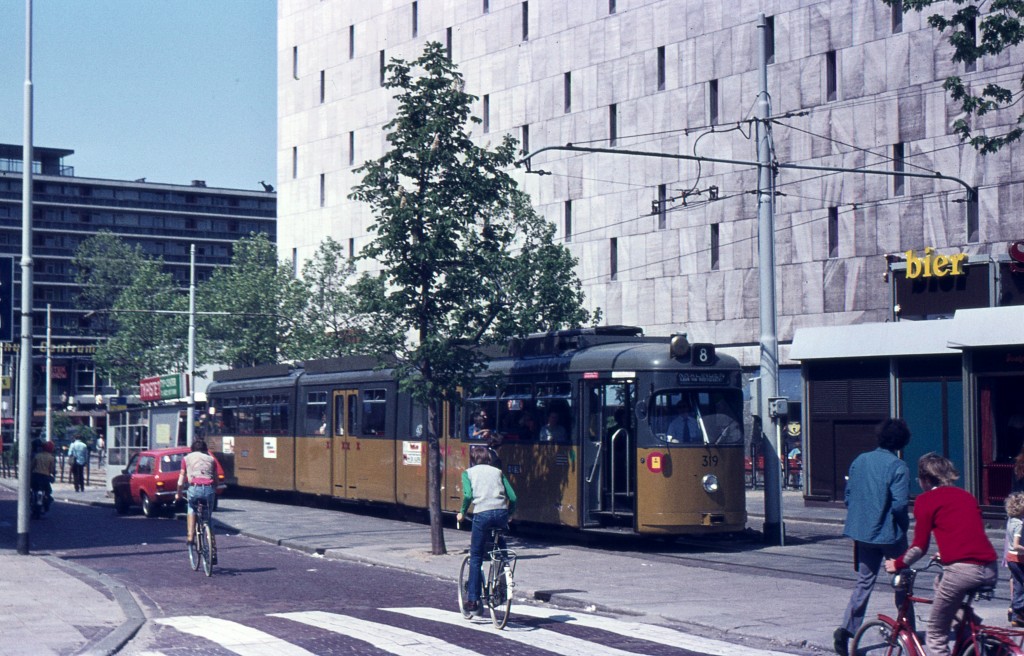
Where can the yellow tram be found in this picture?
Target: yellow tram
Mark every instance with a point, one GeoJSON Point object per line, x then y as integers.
{"type": "Point", "coordinates": [599, 429]}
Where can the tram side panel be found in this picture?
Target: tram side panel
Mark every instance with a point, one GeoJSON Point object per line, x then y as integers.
{"type": "Point", "coordinates": [546, 480]}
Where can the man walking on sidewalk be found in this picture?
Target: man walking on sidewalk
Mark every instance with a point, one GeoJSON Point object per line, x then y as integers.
{"type": "Point", "coordinates": [78, 453]}
{"type": "Point", "coordinates": [877, 498]}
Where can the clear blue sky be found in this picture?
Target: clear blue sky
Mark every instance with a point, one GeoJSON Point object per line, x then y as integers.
{"type": "Point", "coordinates": [171, 91]}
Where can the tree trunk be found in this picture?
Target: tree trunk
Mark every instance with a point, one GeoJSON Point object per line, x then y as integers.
{"type": "Point", "coordinates": [437, 546]}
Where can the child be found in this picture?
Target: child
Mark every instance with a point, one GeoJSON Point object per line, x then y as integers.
{"type": "Point", "coordinates": [1015, 556]}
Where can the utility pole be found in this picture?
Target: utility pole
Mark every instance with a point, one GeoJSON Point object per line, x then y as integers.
{"type": "Point", "coordinates": [49, 380]}
{"type": "Point", "coordinates": [774, 532]}
{"type": "Point", "coordinates": [190, 415]}
{"type": "Point", "coordinates": [25, 376]}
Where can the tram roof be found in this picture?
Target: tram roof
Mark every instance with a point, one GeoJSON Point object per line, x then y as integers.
{"type": "Point", "coordinates": [648, 354]}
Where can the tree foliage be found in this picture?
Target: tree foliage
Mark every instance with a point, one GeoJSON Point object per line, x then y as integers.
{"type": "Point", "coordinates": [257, 301]}
{"type": "Point", "coordinates": [148, 340]}
{"type": "Point", "coordinates": [974, 35]}
{"type": "Point", "coordinates": [104, 266]}
{"type": "Point", "coordinates": [330, 324]}
{"type": "Point", "coordinates": [464, 258]}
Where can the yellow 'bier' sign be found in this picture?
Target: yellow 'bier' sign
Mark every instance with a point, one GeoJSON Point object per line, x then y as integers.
{"type": "Point", "coordinates": [934, 265]}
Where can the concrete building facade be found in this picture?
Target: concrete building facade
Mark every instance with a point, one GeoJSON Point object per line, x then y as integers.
{"type": "Point", "coordinates": [672, 245]}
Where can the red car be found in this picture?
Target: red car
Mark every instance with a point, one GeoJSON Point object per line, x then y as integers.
{"type": "Point", "coordinates": [151, 479]}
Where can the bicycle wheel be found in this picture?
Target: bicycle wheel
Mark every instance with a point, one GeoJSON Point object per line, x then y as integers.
{"type": "Point", "coordinates": [877, 638]}
{"type": "Point", "coordinates": [500, 597]}
{"type": "Point", "coordinates": [989, 645]}
{"type": "Point", "coordinates": [193, 552]}
{"type": "Point", "coordinates": [464, 588]}
{"type": "Point", "coordinates": [206, 549]}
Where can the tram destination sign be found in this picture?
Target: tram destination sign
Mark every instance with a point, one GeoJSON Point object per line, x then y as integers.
{"type": "Point", "coordinates": [703, 377]}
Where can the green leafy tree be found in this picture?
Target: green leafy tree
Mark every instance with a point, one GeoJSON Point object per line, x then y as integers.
{"type": "Point", "coordinates": [330, 324]}
{"type": "Point", "coordinates": [259, 301]}
{"type": "Point", "coordinates": [464, 259]}
{"type": "Point", "coordinates": [104, 266]}
{"type": "Point", "coordinates": [147, 339]}
{"type": "Point", "coordinates": [974, 35]}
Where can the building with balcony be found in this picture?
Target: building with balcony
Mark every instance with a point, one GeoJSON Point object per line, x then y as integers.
{"type": "Point", "coordinates": [164, 220]}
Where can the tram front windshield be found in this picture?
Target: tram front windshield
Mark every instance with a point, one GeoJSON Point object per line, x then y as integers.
{"type": "Point", "coordinates": [689, 418]}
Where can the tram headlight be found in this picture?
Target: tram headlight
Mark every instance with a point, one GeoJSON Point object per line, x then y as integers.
{"type": "Point", "coordinates": [710, 482]}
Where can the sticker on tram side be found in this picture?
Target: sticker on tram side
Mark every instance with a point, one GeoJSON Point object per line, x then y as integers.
{"type": "Point", "coordinates": [412, 453]}
{"type": "Point", "coordinates": [227, 444]}
{"type": "Point", "coordinates": [270, 447]}
{"type": "Point", "coordinates": [656, 462]}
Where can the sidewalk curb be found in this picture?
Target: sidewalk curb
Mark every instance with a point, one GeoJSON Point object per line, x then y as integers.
{"type": "Point", "coordinates": [135, 618]}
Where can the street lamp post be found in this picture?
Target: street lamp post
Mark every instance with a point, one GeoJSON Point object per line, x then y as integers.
{"type": "Point", "coordinates": [25, 375]}
{"type": "Point", "coordinates": [191, 414]}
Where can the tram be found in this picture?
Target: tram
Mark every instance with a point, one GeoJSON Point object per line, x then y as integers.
{"type": "Point", "coordinates": [599, 428]}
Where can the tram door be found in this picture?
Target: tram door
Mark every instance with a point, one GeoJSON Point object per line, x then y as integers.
{"type": "Point", "coordinates": [345, 404]}
{"type": "Point", "coordinates": [608, 452]}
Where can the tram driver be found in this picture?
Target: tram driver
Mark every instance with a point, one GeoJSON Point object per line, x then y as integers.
{"type": "Point", "coordinates": [684, 427]}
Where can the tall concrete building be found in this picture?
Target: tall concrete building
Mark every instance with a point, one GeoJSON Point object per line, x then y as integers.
{"type": "Point", "coordinates": [897, 295]}
{"type": "Point", "coordinates": [666, 244]}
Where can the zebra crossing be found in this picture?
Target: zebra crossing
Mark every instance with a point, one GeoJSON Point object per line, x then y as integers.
{"type": "Point", "coordinates": [528, 628]}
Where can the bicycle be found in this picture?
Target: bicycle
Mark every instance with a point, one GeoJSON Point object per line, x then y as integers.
{"type": "Point", "coordinates": [497, 584]}
{"type": "Point", "coordinates": [887, 636]}
{"type": "Point", "coordinates": [202, 548]}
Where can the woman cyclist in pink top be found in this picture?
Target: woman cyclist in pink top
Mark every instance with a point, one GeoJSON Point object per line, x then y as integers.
{"type": "Point", "coordinates": [200, 469]}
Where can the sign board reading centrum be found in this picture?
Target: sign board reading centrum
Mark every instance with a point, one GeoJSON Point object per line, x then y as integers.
{"type": "Point", "coordinates": [161, 388]}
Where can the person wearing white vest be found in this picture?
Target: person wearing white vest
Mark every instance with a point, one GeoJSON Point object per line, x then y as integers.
{"type": "Point", "coordinates": [493, 500]}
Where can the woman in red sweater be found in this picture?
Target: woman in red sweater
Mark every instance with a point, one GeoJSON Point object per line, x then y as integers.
{"type": "Point", "coordinates": [969, 560]}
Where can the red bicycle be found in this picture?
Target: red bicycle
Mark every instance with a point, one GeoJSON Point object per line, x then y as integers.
{"type": "Point", "coordinates": [886, 636]}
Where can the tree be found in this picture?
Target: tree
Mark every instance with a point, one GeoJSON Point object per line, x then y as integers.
{"type": "Point", "coordinates": [104, 266]}
{"type": "Point", "coordinates": [146, 340]}
{"type": "Point", "coordinates": [330, 324]}
{"type": "Point", "coordinates": [999, 29]}
{"type": "Point", "coordinates": [260, 300]}
{"type": "Point", "coordinates": [448, 217]}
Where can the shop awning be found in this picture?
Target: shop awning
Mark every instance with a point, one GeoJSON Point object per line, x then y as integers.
{"type": "Point", "coordinates": [998, 326]}
{"type": "Point", "coordinates": [873, 340]}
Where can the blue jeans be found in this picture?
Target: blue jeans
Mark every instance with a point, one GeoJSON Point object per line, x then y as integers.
{"type": "Point", "coordinates": [1017, 577]}
{"type": "Point", "coordinates": [482, 524]}
{"type": "Point", "coordinates": [196, 492]}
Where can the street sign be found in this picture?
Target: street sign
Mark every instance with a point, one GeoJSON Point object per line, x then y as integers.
{"type": "Point", "coordinates": [6, 299]}
{"type": "Point", "coordinates": [162, 388]}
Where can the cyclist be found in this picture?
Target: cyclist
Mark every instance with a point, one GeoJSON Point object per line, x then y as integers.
{"type": "Point", "coordinates": [493, 499]}
{"type": "Point", "coordinates": [969, 561]}
{"type": "Point", "coordinates": [200, 469]}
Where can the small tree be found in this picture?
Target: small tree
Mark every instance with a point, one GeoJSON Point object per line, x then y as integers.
{"type": "Point", "coordinates": [104, 266]}
{"type": "Point", "coordinates": [260, 300]}
{"type": "Point", "coordinates": [330, 324]}
{"type": "Point", "coordinates": [464, 258]}
{"type": "Point", "coordinates": [1000, 28]}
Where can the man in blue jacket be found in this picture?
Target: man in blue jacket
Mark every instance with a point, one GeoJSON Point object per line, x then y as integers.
{"type": "Point", "coordinates": [877, 497]}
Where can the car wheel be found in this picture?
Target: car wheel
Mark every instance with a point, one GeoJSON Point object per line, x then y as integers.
{"type": "Point", "coordinates": [149, 508]}
{"type": "Point", "coordinates": [121, 504]}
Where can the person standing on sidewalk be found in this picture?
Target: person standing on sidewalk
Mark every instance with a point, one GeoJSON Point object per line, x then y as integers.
{"type": "Point", "coordinates": [78, 452]}
{"type": "Point", "coordinates": [1014, 555]}
{"type": "Point", "coordinates": [877, 498]}
{"type": "Point", "coordinates": [968, 559]}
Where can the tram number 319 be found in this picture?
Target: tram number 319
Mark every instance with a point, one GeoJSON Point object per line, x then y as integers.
{"type": "Point", "coordinates": [710, 461]}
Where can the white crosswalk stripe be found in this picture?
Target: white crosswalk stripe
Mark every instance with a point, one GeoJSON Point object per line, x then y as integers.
{"type": "Point", "coordinates": [539, 638]}
{"type": "Point", "coordinates": [391, 639]}
{"type": "Point", "coordinates": [649, 632]}
{"type": "Point", "coordinates": [241, 639]}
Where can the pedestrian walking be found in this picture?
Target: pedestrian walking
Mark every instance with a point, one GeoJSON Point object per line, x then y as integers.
{"type": "Point", "coordinates": [101, 451]}
{"type": "Point", "coordinates": [877, 518]}
{"type": "Point", "coordinates": [968, 559]}
{"type": "Point", "coordinates": [78, 452]}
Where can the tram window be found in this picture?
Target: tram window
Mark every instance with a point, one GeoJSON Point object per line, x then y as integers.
{"type": "Point", "coordinates": [480, 414]}
{"type": "Point", "coordinates": [261, 416]}
{"type": "Point", "coordinates": [244, 416]}
{"type": "Point", "coordinates": [555, 418]}
{"type": "Point", "coordinates": [696, 418]}
{"type": "Point", "coordinates": [339, 415]}
{"type": "Point", "coordinates": [374, 411]}
{"type": "Point", "coordinates": [279, 414]}
{"type": "Point", "coordinates": [316, 413]}
{"type": "Point", "coordinates": [228, 419]}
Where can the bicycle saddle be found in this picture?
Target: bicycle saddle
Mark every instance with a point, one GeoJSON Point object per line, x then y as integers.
{"type": "Point", "coordinates": [984, 592]}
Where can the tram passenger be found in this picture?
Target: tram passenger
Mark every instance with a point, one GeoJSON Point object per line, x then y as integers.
{"type": "Point", "coordinates": [553, 431]}
{"type": "Point", "coordinates": [493, 500]}
{"type": "Point", "coordinates": [528, 428]}
{"type": "Point", "coordinates": [479, 430]}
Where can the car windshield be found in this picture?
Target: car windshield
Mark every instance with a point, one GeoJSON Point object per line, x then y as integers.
{"type": "Point", "coordinates": [696, 418]}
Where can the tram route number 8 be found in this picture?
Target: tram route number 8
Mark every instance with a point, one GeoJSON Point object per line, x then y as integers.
{"type": "Point", "coordinates": [702, 355]}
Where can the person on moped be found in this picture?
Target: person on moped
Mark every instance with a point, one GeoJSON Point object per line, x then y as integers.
{"type": "Point", "coordinates": [44, 470]}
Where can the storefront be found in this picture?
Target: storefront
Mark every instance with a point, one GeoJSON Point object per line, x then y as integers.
{"type": "Point", "coordinates": [951, 363]}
